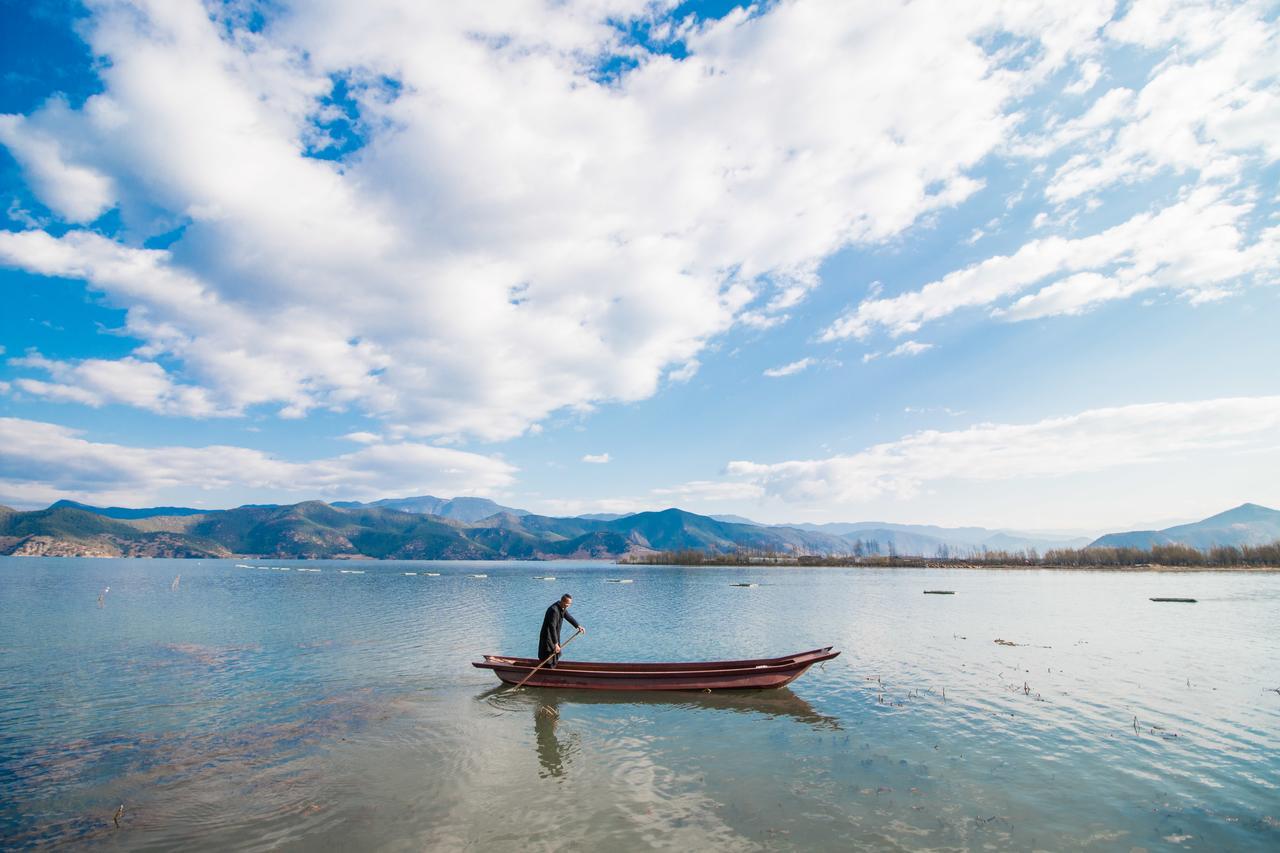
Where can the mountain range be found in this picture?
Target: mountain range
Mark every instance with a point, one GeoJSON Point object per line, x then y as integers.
{"type": "Point", "coordinates": [462, 528]}
{"type": "Point", "coordinates": [1247, 524]}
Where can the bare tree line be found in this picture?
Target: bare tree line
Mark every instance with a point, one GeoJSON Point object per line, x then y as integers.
{"type": "Point", "coordinates": [1220, 556]}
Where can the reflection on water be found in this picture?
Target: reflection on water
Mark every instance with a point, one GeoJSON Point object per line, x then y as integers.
{"type": "Point", "coordinates": [555, 747]}
{"type": "Point", "coordinates": [263, 710]}
{"type": "Point", "coordinates": [552, 752]}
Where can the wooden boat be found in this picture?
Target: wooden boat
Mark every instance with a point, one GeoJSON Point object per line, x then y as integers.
{"type": "Point", "coordinates": [757, 674]}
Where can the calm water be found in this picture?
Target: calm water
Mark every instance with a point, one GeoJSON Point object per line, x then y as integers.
{"type": "Point", "coordinates": [257, 708]}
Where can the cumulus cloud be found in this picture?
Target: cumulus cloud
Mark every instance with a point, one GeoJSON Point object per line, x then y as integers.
{"type": "Point", "coordinates": [1211, 109]}
{"type": "Point", "coordinates": [1092, 441]}
{"type": "Point", "coordinates": [40, 462]}
{"type": "Point", "coordinates": [129, 381]}
{"type": "Point", "coordinates": [1207, 115]}
{"type": "Point", "coordinates": [1197, 243]}
{"type": "Point", "coordinates": [518, 232]}
{"type": "Point", "coordinates": [42, 146]}
{"type": "Point", "coordinates": [789, 369]}
{"type": "Point", "coordinates": [596, 458]}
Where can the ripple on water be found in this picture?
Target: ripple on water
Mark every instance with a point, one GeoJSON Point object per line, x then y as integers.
{"type": "Point", "coordinates": [266, 709]}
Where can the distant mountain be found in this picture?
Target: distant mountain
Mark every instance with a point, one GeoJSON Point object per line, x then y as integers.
{"type": "Point", "coordinates": [931, 540]}
{"type": "Point", "coordinates": [604, 516]}
{"type": "Point", "coordinates": [67, 531]}
{"type": "Point", "coordinates": [461, 509]}
{"type": "Point", "coordinates": [316, 529]}
{"type": "Point", "coordinates": [123, 512]}
{"type": "Point", "coordinates": [1247, 524]}
{"type": "Point", "coordinates": [738, 519]}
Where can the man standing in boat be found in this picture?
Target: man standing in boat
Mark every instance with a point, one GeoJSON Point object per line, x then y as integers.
{"type": "Point", "coordinates": [549, 636]}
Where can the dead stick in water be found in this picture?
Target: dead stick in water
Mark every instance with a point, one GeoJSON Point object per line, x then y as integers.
{"type": "Point", "coordinates": [549, 657]}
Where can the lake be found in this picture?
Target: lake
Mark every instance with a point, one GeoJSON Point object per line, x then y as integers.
{"type": "Point", "coordinates": [267, 707]}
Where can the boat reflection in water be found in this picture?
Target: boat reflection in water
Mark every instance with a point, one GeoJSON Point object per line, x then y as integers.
{"type": "Point", "coordinates": [556, 746]}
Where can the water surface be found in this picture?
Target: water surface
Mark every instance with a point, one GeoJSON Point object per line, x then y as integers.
{"type": "Point", "coordinates": [257, 708]}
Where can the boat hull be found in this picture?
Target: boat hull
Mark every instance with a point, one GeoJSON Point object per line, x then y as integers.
{"type": "Point", "coordinates": [757, 674]}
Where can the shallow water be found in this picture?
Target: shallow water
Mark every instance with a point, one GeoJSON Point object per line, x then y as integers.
{"type": "Point", "coordinates": [256, 708]}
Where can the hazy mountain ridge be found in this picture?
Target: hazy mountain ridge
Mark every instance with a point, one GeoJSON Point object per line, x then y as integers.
{"type": "Point", "coordinates": [462, 509]}
{"type": "Point", "coordinates": [834, 537]}
{"type": "Point", "coordinates": [314, 529]}
{"type": "Point", "coordinates": [1247, 524]}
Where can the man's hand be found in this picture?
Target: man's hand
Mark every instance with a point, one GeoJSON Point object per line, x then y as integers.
{"type": "Point", "coordinates": [581, 630]}
{"type": "Point", "coordinates": [557, 648]}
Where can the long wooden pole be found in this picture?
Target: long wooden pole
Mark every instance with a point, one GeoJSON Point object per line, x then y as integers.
{"type": "Point", "coordinates": [549, 657]}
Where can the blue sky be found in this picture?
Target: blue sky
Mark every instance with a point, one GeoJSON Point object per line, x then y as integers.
{"type": "Point", "coordinates": [801, 262]}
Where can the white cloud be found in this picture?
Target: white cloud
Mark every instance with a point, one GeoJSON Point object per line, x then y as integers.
{"type": "Point", "coordinates": [1211, 108]}
{"type": "Point", "coordinates": [128, 381]}
{"type": "Point", "coordinates": [789, 369]}
{"type": "Point", "coordinates": [1092, 441]}
{"type": "Point", "coordinates": [73, 190]}
{"type": "Point", "coordinates": [1197, 243]}
{"type": "Point", "coordinates": [906, 348]}
{"type": "Point", "coordinates": [515, 236]}
{"type": "Point", "coordinates": [684, 372]}
{"type": "Point", "coordinates": [1090, 71]}
{"type": "Point", "coordinates": [41, 462]}
{"type": "Point", "coordinates": [596, 458]}
{"type": "Point", "coordinates": [361, 437]}
{"type": "Point", "coordinates": [710, 490]}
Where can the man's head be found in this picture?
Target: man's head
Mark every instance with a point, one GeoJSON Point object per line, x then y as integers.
{"type": "Point", "coordinates": [566, 600]}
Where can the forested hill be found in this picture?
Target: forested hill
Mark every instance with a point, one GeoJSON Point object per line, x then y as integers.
{"type": "Point", "coordinates": [315, 529]}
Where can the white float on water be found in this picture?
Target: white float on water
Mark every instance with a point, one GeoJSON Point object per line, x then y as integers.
{"type": "Point", "coordinates": [432, 574]}
{"type": "Point", "coordinates": [411, 574]}
{"type": "Point", "coordinates": [477, 576]}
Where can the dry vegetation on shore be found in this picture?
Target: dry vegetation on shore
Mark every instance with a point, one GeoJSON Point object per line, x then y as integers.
{"type": "Point", "coordinates": [1159, 558]}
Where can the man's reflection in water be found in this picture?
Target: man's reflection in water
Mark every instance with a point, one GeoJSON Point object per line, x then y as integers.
{"type": "Point", "coordinates": [546, 716]}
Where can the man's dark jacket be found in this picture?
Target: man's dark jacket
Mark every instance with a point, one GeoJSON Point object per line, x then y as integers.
{"type": "Point", "coordinates": [549, 636]}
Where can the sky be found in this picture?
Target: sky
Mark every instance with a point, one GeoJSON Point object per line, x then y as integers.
{"type": "Point", "coordinates": [1012, 265]}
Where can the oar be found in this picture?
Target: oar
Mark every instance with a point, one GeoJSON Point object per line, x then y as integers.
{"type": "Point", "coordinates": [549, 657]}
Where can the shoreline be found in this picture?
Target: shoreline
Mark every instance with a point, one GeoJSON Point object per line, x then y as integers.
{"type": "Point", "coordinates": [1008, 567]}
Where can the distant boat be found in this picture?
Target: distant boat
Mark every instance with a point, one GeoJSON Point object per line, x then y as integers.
{"type": "Point", "coordinates": [477, 576]}
{"type": "Point", "coordinates": [544, 577]}
{"type": "Point", "coordinates": [744, 584]}
{"type": "Point", "coordinates": [761, 673]}
{"type": "Point", "coordinates": [411, 574]}
{"type": "Point", "coordinates": [939, 592]}
{"type": "Point", "coordinates": [618, 580]}
{"type": "Point", "coordinates": [432, 574]}
{"type": "Point", "coordinates": [1179, 600]}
